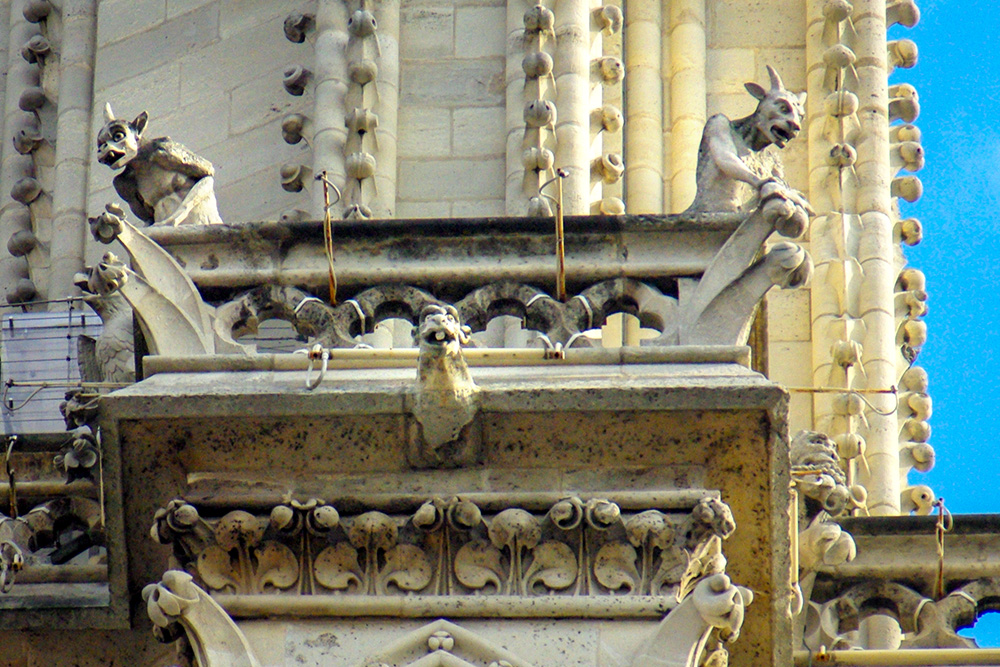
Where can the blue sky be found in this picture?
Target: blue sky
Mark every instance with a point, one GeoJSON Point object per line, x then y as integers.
{"type": "Point", "coordinates": [956, 78]}
{"type": "Point", "coordinates": [959, 87]}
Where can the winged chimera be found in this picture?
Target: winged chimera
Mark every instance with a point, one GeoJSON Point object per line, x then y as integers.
{"type": "Point", "coordinates": [163, 182]}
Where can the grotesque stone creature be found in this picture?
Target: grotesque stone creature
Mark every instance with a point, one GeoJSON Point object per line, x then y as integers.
{"type": "Point", "coordinates": [731, 155]}
{"type": "Point", "coordinates": [445, 400]}
{"type": "Point", "coordinates": [816, 471]}
{"type": "Point", "coordinates": [109, 357]}
{"type": "Point", "coordinates": [163, 182]}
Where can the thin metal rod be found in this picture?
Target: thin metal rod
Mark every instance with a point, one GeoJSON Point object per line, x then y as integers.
{"type": "Point", "coordinates": [407, 358]}
{"type": "Point", "coordinates": [46, 384]}
{"type": "Point", "coordinates": [560, 232]}
{"type": "Point", "coordinates": [328, 233]}
{"type": "Point", "coordinates": [901, 657]}
{"type": "Point", "coordinates": [28, 304]}
{"type": "Point", "coordinates": [840, 390]}
{"type": "Point", "coordinates": [560, 246]}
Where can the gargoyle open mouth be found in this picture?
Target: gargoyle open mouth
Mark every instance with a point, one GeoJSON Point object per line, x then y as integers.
{"type": "Point", "coordinates": [782, 135]}
{"type": "Point", "coordinates": [111, 157]}
{"type": "Point", "coordinates": [439, 336]}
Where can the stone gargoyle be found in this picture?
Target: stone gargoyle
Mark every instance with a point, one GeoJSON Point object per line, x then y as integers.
{"type": "Point", "coordinates": [732, 156]}
{"type": "Point", "coordinates": [163, 182]}
{"type": "Point", "coordinates": [445, 400]}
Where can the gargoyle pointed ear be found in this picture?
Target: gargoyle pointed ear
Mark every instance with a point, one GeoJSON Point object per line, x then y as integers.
{"type": "Point", "coordinates": [802, 99]}
{"type": "Point", "coordinates": [755, 89]}
{"type": "Point", "coordinates": [776, 83]}
{"type": "Point", "coordinates": [109, 115]}
{"type": "Point", "coordinates": [139, 124]}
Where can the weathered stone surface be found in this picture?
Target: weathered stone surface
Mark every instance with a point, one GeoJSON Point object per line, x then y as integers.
{"type": "Point", "coordinates": [478, 132]}
{"type": "Point", "coordinates": [172, 40]}
{"type": "Point", "coordinates": [424, 133]}
{"type": "Point", "coordinates": [426, 32]}
{"type": "Point", "coordinates": [480, 32]}
{"type": "Point", "coordinates": [450, 179]}
{"type": "Point", "coordinates": [452, 83]}
{"type": "Point", "coordinates": [120, 19]}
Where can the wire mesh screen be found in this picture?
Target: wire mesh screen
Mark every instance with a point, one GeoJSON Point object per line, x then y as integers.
{"type": "Point", "coordinates": [37, 349]}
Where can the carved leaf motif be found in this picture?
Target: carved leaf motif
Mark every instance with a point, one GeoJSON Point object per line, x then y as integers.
{"type": "Point", "coordinates": [553, 565]}
{"type": "Point", "coordinates": [276, 566]}
{"type": "Point", "coordinates": [672, 566]}
{"type": "Point", "coordinates": [408, 567]}
{"type": "Point", "coordinates": [614, 566]}
{"type": "Point", "coordinates": [567, 514]}
{"type": "Point", "coordinates": [239, 529]}
{"type": "Point", "coordinates": [215, 568]}
{"type": "Point", "coordinates": [478, 564]}
{"type": "Point", "coordinates": [650, 525]}
{"type": "Point", "coordinates": [602, 514]}
{"type": "Point", "coordinates": [372, 530]}
{"type": "Point", "coordinates": [337, 567]}
{"type": "Point", "coordinates": [514, 528]}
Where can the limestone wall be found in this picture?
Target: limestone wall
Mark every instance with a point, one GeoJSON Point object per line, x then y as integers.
{"type": "Point", "coordinates": [451, 115]}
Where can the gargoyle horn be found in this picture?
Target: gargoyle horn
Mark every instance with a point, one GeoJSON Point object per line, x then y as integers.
{"type": "Point", "coordinates": [776, 83]}
{"type": "Point", "coordinates": [109, 115]}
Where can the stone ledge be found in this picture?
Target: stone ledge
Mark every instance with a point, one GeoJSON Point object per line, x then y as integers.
{"type": "Point", "coordinates": [904, 548]}
{"type": "Point", "coordinates": [462, 253]}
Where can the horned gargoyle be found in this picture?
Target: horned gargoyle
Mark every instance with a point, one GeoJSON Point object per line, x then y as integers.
{"type": "Point", "coordinates": [731, 155]}
{"type": "Point", "coordinates": [445, 401]}
{"type": "Point", "coordinates": [163, 182]}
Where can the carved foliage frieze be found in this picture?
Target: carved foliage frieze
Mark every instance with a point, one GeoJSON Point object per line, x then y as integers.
{"type": "Point", "coordinates": [447, 547]}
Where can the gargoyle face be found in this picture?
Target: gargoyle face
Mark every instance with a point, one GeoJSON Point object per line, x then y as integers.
{"type": "Point", "coordinates": [107, 277]}
{"type": "Point", "coordinates": [118, 140]}
{"type": "Point", "coordinates": [440, 329]}
{"type": "Point", "coordinates": [779, 117]}
{"type": "Point", "coordinates": [779, 112]}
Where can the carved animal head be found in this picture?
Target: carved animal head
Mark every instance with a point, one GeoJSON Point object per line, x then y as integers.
{"type": "Point", "coordinates": [108, 276]}
{"type": "Point", "coordinates": [106, 306]}
{"type": "Point", "coordinates": [779, 112]}
{"type": "Point", "coordinates": [441, 330]}
{"type": "Point", "coordinates": [118, 141]}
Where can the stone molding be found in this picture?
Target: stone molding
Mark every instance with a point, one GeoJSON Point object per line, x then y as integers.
{"type": "Point", "coordinates": [581, 549]}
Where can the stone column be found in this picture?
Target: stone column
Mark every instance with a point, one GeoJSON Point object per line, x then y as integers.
{"type": "Point", "coordinates": [644, 124]}
{"type": "Point", "coordinates": [14, 216]}
{"type": "Point", "coordinates": [530, 140]}
{"type": "Point", "coordinates": [73, 143]}
{"type": "Point", "coordinates": [387, 107]}
{"type": "Point", "coordinates": [876, 252]}
{"type": "Point", "coordinates": [688, 96]}
{"type": "Point", "coordinates": [833, 317]}
{"type": "Point", "coordinates": [572, 73]}
{"type": "Point", "coordinates": [330, 130]}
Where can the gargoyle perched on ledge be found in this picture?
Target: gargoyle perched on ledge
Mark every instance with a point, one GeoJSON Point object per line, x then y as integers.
{"type": "Point", "coordinates": [731, 150]}
{"type": "Point", "coordinates": [163, 182]}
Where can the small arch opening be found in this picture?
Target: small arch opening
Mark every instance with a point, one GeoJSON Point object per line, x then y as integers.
{"type": "Point", "coordinates": [985, 631]}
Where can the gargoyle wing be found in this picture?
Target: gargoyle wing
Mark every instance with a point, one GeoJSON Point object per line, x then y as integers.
{"type": "Point", "coordinates": [128, 190]}
{"type": "Point", "coordinates": [173, 156]}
